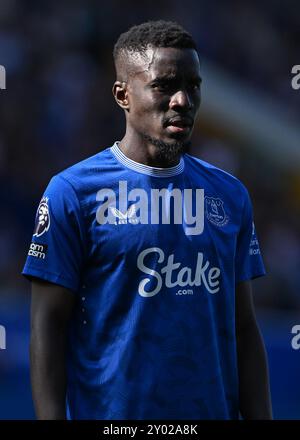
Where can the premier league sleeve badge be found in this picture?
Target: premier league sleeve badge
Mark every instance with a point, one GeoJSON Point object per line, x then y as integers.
{"type": "Point", "coordinates": [42, 220]}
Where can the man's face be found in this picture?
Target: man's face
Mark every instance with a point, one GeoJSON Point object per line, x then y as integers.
{"type": "Point", "coordinates": [164, 95]}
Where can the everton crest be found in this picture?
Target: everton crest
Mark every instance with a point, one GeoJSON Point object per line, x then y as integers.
{"type": "Point", "coordinates": [42, 220]}
{"type": "Point", "coordinates": [215, 212]}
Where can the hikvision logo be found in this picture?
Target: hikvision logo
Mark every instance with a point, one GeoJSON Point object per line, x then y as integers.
{"type": "Point", "coordinates": [296, 78]}
{"type": "Point", "coordinates": [2, 78]}
{"type": "Point", "coordinates": [160, 210]}
{"type": "Point", "coordinates": [2, 338]}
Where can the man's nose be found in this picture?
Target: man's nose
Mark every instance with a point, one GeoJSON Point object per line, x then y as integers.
{"type": "Point", "coordinates": [181, 99]}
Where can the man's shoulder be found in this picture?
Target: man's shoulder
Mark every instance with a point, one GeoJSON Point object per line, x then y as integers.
{"type": "Point", "coordinates": [93, 163]}
{"type": "Point", "coordinates": [87, 172]}
{"type": "Point", "coordinates": [215, 175]}
{"type": "Point", "coordinates": [82, 178]}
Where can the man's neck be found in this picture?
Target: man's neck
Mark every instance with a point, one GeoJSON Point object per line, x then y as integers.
{"type": "Point", "coordinates": [145, 152]}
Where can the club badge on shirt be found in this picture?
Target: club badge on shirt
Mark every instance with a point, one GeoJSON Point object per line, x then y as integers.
{"type": "Point", "coordinates": [215, 212]}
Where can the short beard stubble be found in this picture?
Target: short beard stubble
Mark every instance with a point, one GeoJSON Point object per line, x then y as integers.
{"type": "Point", "coordinates": [168, 152]}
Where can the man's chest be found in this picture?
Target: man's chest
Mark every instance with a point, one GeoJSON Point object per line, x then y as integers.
{"type": "Point", "coordinates": [125, 221]}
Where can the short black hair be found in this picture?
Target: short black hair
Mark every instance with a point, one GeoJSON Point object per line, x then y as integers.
{"type": "Point", "coordinates": [156, 34]}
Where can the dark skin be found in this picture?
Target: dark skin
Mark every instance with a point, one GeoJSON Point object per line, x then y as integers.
{"type": "Point", "coordinates": [161, 86]}
{"type": "Point", "coordinates": [254, 386]}
{"type": "Point", "coordinates": [51, 310]}
{"type": "Point", "coordinates": [164, 85]}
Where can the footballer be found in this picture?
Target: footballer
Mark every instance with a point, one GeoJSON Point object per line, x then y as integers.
{"type": "Point", "coordinates": [141, 262]}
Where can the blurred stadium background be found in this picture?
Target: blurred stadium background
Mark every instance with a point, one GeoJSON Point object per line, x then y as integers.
{"type": "Point", "coordinates": [58, 109]}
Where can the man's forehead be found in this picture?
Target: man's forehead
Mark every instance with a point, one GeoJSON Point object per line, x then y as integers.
{"type": "Point", "coordinates": [166, 61]}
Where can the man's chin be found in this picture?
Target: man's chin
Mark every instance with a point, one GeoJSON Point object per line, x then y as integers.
{"type": "Point", "coordinates": [169, 150]}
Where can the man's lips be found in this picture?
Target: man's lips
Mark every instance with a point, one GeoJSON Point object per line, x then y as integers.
{"type": "Point", "coordinates": [179, 125]}
{"type": "Point", "coordinates": [180, 122]}
{"type": "Point", "coordinates": [177, 129]}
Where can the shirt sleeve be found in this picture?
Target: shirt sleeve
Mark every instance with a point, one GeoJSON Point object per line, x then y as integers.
{"type": "Point", "coordinates": [56, 252]}
{"type": "Point", "coordinates": [248, 259]}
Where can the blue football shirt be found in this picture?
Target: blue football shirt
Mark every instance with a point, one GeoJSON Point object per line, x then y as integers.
{"type": "Point", "coordinates": [153, 256]}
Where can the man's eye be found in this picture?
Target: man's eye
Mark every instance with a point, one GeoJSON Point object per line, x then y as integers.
{"type": "Point", "coordinates": [162, 86]}
{"type": "Point", "coordinates": [195, 86]}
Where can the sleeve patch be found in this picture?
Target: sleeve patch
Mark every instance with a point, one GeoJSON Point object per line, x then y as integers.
{"type": "Point", "coordinates": [42, 220]}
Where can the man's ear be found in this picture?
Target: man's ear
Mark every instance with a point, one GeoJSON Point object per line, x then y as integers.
{"type": "Point", "coordinates": [120, 93]}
